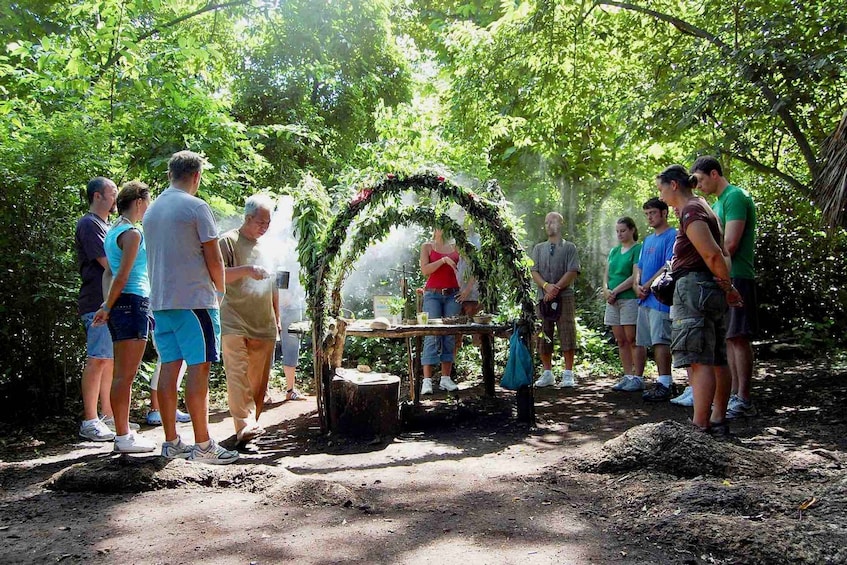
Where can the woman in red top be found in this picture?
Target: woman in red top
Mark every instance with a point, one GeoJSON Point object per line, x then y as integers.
{"type": "Point", "coordinates": [438, 263]}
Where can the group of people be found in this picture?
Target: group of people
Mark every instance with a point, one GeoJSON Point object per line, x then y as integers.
{"type": "Point", "coordinates": [207, 294]}
{"type": "Point", "coordinates": [178, 276]}
{"type": "Point", "coordinates": [708, 330]}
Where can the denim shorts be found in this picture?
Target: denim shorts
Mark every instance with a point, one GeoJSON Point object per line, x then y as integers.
{"type": "Point", "coordinates": [130, 318]}
{"type": "Point", "coordinates": [288, 347]}
{"type": "Point", "coordinates": [98, 341]}
{"type": "Point", "coordinates": [653, 328]}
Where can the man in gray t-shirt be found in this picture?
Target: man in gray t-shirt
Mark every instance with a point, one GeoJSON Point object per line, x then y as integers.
{"type": "Point", "coordinates": [186, 272]}
{"type": "Point", "coordinates": [177, 226]}
{"type": "Point", "coordinates": [555, 267]}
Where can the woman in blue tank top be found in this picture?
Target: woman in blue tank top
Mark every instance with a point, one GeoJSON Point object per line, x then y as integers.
{"type": "Point", "coordinates": [127, 308]}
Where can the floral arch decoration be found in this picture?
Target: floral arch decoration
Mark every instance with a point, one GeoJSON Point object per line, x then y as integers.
{"type": "Point", "coordinates": [503, 253]}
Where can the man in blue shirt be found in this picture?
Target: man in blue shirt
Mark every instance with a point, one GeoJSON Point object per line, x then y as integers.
{"type": "Point", "coordinates": [97, 375]}
{"type": "Point", "coordinates": [654, 324]}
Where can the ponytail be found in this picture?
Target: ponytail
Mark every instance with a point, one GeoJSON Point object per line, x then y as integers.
{"type": "Point", "coordinates": [678, 174]}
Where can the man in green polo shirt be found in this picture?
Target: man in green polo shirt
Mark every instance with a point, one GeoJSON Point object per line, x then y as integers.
{"type": "Point", "coordinates": [736, 211]}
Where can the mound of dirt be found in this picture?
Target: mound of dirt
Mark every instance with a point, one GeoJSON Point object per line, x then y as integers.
{"type": "Point", "coordinates": [680, 450]}
{"type": "Point", "coordinates": [140, 474]}
{"type": "Point", "coordinates": [312, 492]}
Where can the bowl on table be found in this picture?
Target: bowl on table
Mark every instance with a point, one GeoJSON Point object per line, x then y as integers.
{"type": "Point", "coordinates": [483, 318]}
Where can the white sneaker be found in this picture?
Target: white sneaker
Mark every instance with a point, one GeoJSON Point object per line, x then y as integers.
{"type": "Point", "coordinates": [684, 399]}
{"type": "Point", "coordinates": [634, 383]}
{"type": "Point", "coordinates": [110, 423]}
{"type": "Point", "coordinates": [568, 380]}
{"type": "Point", "coordinates": [621, 383]}
{"type": "Point", "coordinates": [214, 454]}
{"type": "Point", "coordinates": [95, 430]}
{"type": "Point", "coordinates": [448, 384]}
{"type": "Point", "coordinates": [738, 408]}
{"type": "Point", "coordinates": [176, 449]}
{"type": "Point", "coordinates": [132, 443]}
{"type": "Point", "coordinates": [546, 379]}
{"type": "Point", "coordinates": [426, 387]}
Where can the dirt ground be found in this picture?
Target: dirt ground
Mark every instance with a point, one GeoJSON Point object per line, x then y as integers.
{"type": "Point", "coordinates": [462, 484]}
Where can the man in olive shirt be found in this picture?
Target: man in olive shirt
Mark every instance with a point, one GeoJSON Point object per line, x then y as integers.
{"type": "Point", "coordinates": [555, 266]}
{"type": "Point", "coordinates": [249, 317]}
{"type": "Point", "coordinates": [737, 214]}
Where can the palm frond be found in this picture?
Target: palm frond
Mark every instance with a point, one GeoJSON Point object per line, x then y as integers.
{"type": "Point", "coordinates": [831, 182]}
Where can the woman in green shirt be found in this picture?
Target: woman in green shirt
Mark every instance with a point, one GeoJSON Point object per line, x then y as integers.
{"type": "Point", "coordinates": [621, 302]}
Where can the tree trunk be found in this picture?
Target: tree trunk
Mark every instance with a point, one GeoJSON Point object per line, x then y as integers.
{"type": "Point", "coordinates": [365, 404]}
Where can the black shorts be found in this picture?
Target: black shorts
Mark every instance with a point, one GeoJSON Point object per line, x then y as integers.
{"type": "Point", "coordinates": [130, 318]}
{"type": "Point", "coordinates": [744, 321]}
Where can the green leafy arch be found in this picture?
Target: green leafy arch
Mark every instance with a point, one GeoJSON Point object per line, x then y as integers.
{"type": "Point", "coordinates": [485, 213]}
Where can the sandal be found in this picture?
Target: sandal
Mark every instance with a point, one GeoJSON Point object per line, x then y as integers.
{"type": "Point", "coordinates": [154, 418]}
{"type": "Point", "coordinates": [294, 395]}
{"type": "Point", "coordinates": [719, 429]}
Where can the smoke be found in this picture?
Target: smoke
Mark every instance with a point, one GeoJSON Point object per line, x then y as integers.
{"type": "Point", "coordinates": [378, 265]}
{"type": "Point", "coordinates": [278, 251]}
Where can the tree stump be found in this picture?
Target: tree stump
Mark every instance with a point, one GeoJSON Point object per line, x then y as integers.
{"type": "Point", "coordinates": [365, 404]}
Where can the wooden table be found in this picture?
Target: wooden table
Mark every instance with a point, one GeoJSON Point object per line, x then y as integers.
{"type": "Point", "coordinates": [413, 334]}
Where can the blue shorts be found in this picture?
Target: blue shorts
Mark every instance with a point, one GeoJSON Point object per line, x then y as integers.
{"type": "Point", "coordinates": [130, 318]}
{"type": "Point", "coordinates": [98, 342]}
{"type": "Point", "coordinates": [654, 327]}
{"type": "Point", "coordinates": [193, 336]}
{"type": "Point", "coordinates": [288, 347]}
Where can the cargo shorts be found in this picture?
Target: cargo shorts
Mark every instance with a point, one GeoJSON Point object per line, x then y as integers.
{"type": "Point", "coordinates": [698, 321]}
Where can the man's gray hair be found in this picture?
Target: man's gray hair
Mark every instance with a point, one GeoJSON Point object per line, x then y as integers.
{"type": "Point", "coordinates": [258, 202]}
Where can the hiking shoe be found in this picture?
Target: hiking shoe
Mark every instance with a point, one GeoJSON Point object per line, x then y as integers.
{"type": "Point", "coordinates": [546, 379]}
{"type": "Point", "coordinates": [132, 443]}
{"type": "Point", "coordinates": [633, 384]}
{"type": "Point", "coordinates": [110, 423]}
{"type": "Point", "coordinates": [176, 449]}
{"type": "Point", "coordinates": [621, 383]}
{"type": "Point", "coordinates": [684, 399]}
{"type": "Point", "coordinates": [738, 408]}
{"type": "Point", "coordinates": [214, 454]}
{"type": "Point", "coordinates": [426, 387]}
{"type": "Point", "coordinates": [182, 417]}
{"type": "Point", "coordinates": [447, 384]}
{"type": "Point", "coordinates": [659, 393]}
{"type": "Point", "coordinates": [567, 381]}
{"type": "Point", "coordinates": [154, 418]}
{"type": "Point", "coordinates": [95, 430]}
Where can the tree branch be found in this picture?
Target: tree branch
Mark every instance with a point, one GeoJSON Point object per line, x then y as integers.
{"type": "Point", "coordinates": [759, 166]}
{"type": "Point", "coordinates": [749, 71]}
{"type": "Point", "coordinates": [118, 53]}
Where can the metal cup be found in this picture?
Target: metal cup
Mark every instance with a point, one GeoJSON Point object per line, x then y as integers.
{"type": "Point", "coordinates": [282, 278]}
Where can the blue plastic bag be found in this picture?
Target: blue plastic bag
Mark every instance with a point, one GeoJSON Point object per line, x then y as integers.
{"type": "Point", "coordinates": [519, 367]}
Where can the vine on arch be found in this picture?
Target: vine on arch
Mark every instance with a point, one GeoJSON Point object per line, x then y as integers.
{"type": "Point", "coordinates": [321, 254]}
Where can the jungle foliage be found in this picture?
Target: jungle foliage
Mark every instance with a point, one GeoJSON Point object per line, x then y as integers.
{"type": "Point", "coordinates": [572, 106]}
